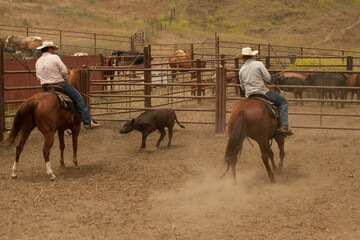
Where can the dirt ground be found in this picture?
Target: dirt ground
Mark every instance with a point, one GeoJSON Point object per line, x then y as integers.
{"type": "Point", "coordinates": [122, 192]}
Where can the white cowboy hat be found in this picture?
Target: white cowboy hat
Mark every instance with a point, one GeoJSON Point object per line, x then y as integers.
{"type": "Point", "coordinates": [48, 44]}
{"type": "Point", "coordinates": [247, 52]}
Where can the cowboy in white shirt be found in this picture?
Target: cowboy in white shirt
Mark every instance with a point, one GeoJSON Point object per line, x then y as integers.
{"type": "Point", "coordinates": [50, 70]}
{"type": "Point", "coordinates": [253, 77]}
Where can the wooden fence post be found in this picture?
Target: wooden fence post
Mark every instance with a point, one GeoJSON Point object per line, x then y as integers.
{"type": "Point", "coordinates": [147, 77]}
{"type": "Point", "coordinates": [349, 63]}
{"type": "Point", "coordinates": [94, 43]}
{"type": "Point", "coordinates": [192, 74]}
{"type": "Point", "coordinates": [85, 85]}
{"type": "Point", "coordinates": [267, 62]}
{"type": "Point", "coordinates": [192, 54]}
{"type": "Point", "coordinates": [238, 89]}
{"type": "Point", "coordinates": [2, 99]}
{"type": "Point", "coordinates": [60, 41]}
{"type": "Point", "coordinates": [132, 43]}
{"type": "Point", "coordinates": [220, 109]}
{"type": "Point", "coordinates": [223, 62]}
{"type": "Point", "coordinates": [198, 79]}
{"type": "Point", "coordinates": [217, 49]}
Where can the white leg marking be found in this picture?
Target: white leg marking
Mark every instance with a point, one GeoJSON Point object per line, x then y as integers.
{"type": "Point", "coordinates": [49, 171]}
{"type": "Point", "coordinates": [14, 168]}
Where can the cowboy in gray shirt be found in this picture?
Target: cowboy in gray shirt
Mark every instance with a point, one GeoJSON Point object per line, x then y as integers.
{"type": "Point", "coordinates": [253, 77]}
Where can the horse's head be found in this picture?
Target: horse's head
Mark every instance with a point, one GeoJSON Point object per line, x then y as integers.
{"type": "Point", "coordinates": [73, 77]}
{"type": "Point", "coordinates": [111, 61]}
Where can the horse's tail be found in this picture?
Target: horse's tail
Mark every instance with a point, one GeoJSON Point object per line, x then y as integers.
{"type": "Point", "coordinates": [182, 126]}
{"type": "Point", "coordinates": [236, 138]}
{"type": "Point", "coordinates": [24, 117]}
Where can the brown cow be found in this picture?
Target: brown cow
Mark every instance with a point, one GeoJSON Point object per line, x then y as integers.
{"type": "Point", "coordinates": [234, 79]}
{"type": "Point", "coordinates": [177, 61]}
{"type": "Point", "coordinates": [292, 74]}
{"type": "Point", "coordinates": [4, 40]}
{"type": "Point", "coordinates": [30, 49]}
{"type": "Point", "coordinates": [350, 82]}
{"type": "Point", "coordinates": [182, 59]}
{"type": "Point", "coordinates": [195, 87]}
{"type": "Point", "coordinates": [109, 73]}
{"type": "Point", "coordinates": [27, 45]}
{"type": "Point", "coordinates": [14, 42]}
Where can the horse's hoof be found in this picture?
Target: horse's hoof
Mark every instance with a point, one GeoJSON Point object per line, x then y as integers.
{"type": "Point", "coordinates": [13, 176]}
{"type": "Point", "coordinates": [52, 177]}
{"type": "Point", "coordinates": [273, 180]}
{"type": "Point", "coordinates": [279, 170]}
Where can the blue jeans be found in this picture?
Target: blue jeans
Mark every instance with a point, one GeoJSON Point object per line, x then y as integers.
{"type": "Point", "coordinates": [282, 105]}
{"type": "Point", "coordinates": [77, 98]}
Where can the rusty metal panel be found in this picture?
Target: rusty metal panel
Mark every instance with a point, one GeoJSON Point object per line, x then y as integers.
{"type": "Point", "coordinates": [27, 76]}
{"type": "Point", "coordinates": [2, 110]}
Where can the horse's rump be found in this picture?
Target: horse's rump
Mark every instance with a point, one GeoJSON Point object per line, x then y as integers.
{"type": "Point", "coordinates": [258, 118]}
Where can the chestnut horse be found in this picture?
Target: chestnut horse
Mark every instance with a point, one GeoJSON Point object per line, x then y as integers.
{"type": "Point", "coordinates": [110, 62]}
{"type": "Point", "coordinates": [251, 118]}
{"type": "Point", "coordinates": [44, 111]}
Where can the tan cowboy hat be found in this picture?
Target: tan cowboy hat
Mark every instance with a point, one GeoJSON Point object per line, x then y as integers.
{"type": "Point", "coordinates": [247, 52]}
{"type": "Point", "coordinates": [48, 44]}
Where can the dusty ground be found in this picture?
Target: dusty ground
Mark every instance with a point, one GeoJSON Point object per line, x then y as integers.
{"type": "Point", "coordinates": [121, 192]}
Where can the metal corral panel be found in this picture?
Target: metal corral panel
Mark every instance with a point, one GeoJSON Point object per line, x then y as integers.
{"type": "Point", "coordinates": [12, 80]}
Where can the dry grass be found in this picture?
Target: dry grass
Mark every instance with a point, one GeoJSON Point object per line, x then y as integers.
{"type": "Point", "coordinates": [277, 22]}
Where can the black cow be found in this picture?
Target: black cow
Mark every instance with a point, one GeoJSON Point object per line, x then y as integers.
{"type": "Point", "coordinates": [294, 81]}
{"type": "Point", "coordinates": [328, 79]}
{"type": "Point", "coordinates": [149, 121]}
{"type": "Point", "coordinates": [128, 57]}
{"type": "Point", "coordinates": [357, 84]}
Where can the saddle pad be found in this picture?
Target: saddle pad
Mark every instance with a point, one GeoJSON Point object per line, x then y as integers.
{"type": "Point", "coordinates": [65, 101]}
{"type": "Point", "coordinates": [270, 106]}
{"type": "Point", "coordinates": [55, 88]}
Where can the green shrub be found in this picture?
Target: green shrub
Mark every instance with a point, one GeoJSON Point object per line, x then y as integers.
{"type": "Point", "coordinates": [321, 63]}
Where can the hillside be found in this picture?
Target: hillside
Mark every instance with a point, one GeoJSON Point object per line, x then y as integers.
{"type": "Point", "coordinates": [310, 23]}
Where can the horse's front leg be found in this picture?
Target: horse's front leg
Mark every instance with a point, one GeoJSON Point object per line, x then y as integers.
{"type": "Point", "coordinates": [62, 147]}
{"type": "Point", "coordinates": [49, 141]}
{"type": "Point", "coordinates": [75, 136]}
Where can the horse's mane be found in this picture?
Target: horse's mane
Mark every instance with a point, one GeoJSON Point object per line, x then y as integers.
{"type": "Point", "coordinates": [73, 77]}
